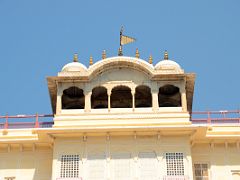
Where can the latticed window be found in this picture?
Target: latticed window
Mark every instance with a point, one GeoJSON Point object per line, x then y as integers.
{"type": "Point", "coordinates": [69, 166]}
{"type": "Point", "coordinates": [175, 165]}
{"type": "Point", "coordinates": [201, 171]}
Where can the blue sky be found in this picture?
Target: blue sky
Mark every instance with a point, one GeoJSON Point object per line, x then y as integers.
{"type": "Point", "coordinates": [38, 37]}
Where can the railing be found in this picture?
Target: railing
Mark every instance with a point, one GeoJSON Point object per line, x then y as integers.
{"type": "Point", "coordinates": [41, 121]}
{"type": "Point", "coordinates": [30, 121]}
{"type": "Point", "coordinates": [215, 117]}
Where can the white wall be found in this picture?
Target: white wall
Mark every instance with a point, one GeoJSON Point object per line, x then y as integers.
{"type": "Point", "coordinates": [122, 157]}
{"type": "Point", "coordinates": [26, 165]}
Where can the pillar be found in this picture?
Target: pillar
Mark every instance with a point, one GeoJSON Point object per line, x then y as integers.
{"type": "Point", "coordinates": [59, 100]}
{"type": "Point", "coordinates": [133, 99]}
{"type": "Point", "coordinates": [88, 101]}
{"type": "Point", "coordinates": [183, 99]}
{"type": "Point", "coordinates": [155, 104]}
{"type": "Point", "coordinates": [109, 92]}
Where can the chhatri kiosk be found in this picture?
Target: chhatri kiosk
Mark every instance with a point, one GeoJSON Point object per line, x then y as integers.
{"type": "Point", "coordinates": [122, 118]}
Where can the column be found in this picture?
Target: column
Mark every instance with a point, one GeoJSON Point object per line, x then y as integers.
{"type": "Point", "coordinates": [109, 91]}
{"type": "Point", "coordinates": [59, 102]}
{"type": "Point", "coordinates": [183, 99]}
{"type": "Point", "coordinates": [133, 99]}
{"type": "Point", "coordinates": [155, 104]}
{"type": "Point", "coordinates": [88, 101]}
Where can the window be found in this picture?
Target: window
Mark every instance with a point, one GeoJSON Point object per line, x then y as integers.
{"type": "Point", "coordinates": [143, 97]}
{"type": "Point", "coordinates": [201, 171]}
{"type": "Point", "coordinates": [73, 98]}
{"type": "Point", "coordinates": [169, 96]}
{"type": "Point", "coordinates": [69, 166]}
{"type": "Point", "coordinates": [175, 165]}
{"type": "Point", "coordinates": [121, 97]}
{"type": "Point", "coordinates": [99, 98]}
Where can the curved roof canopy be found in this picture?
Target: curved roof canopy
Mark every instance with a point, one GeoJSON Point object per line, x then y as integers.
{"type": "Point", "coordinates": [163, 67]}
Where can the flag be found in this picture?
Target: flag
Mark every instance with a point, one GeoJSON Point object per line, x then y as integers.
{"type": "Point", "coordinates": [126, 39]}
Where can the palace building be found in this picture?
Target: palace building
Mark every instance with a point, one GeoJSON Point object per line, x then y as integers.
{"type": "Point", "coordinates": [122, 118]}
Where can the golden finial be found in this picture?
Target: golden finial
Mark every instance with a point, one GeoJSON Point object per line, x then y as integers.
{"type": "Point", "coordinates": [150, 60]}
{"type": "Point", "coordinates": [104, 56]}
{"type": "Point", "coordinates": [91, 61]}
{"type": "Point", "coordinates": [137, 53]}
{"type": "Point", "coordinates": [165, 55]}
{"type": "Point", "coordinates": [75, 58]}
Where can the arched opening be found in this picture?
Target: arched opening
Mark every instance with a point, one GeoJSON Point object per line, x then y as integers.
{"type": "Point", "coordinates": [169, 96]}
{"type": "Point", "coordinates": [143, 97]}
{"type": "Point", "coordinates": [73, 98]}
{"type": "Point", "coordinates": [121, 97]}
{"type": "Point", "coordinates": [99, 98]}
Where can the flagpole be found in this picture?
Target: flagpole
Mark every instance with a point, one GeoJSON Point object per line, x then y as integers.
{"type": "Point", "coordinates": [120, 48]}
{"type": "Point", "coordinates": [124, 40]}
{"type": "Point", "coordinates": [121, 31]}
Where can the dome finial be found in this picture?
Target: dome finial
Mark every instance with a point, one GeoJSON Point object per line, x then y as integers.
{"type": "Point", "coordinates": [91, 60]}
{"type": "Point", "coordinates": [75, 58]}
{"type": "Point", "coordinates": [150, 59]}
{"type": "Point", "coordinates": [165, 55]}
{"type": "Point", "coordinates": [104, 56]}
{"type": "Point", "coordinates": [137, 55]}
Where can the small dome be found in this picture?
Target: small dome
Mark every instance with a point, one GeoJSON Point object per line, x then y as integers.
{"type": "Point", "coordinates": [74, 67]}
{"type": "Point", "coordinates": [169, 66]}
{"type": "Point", "coordinates": [165, 64]}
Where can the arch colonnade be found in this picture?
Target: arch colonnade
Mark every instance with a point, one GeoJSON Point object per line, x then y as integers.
{"type": "Point", "coordinates": [121, 96]}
